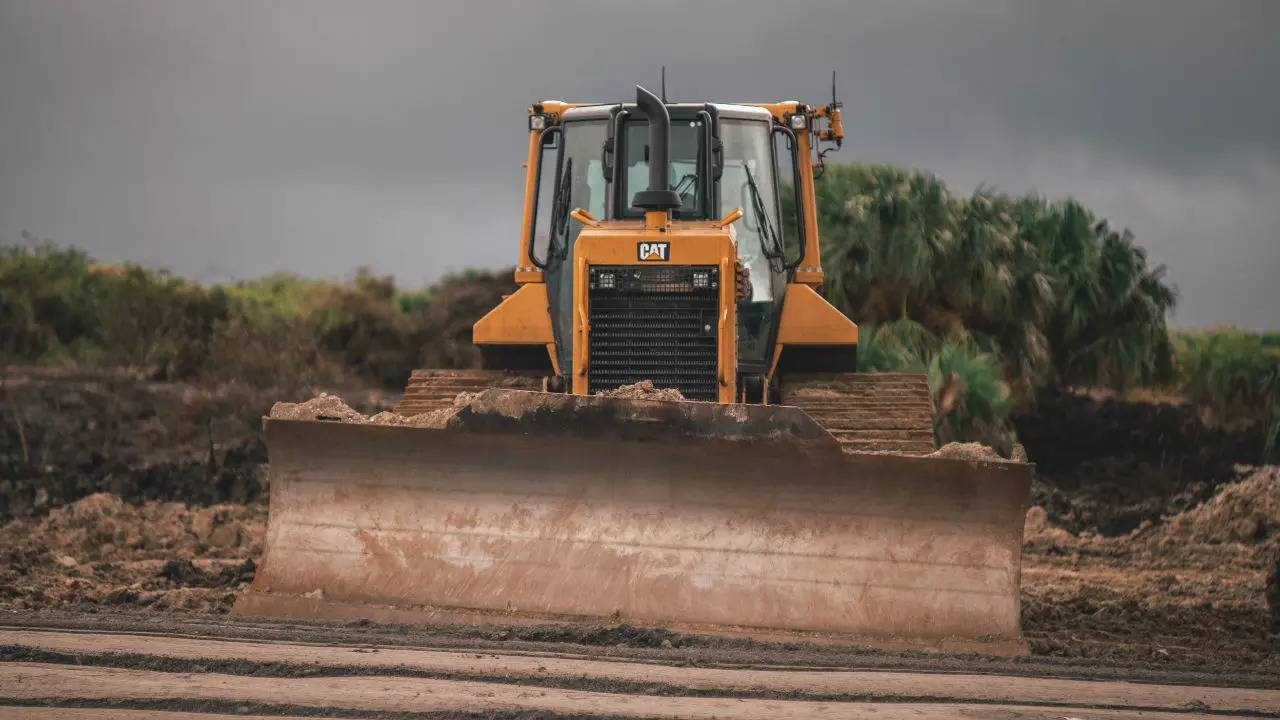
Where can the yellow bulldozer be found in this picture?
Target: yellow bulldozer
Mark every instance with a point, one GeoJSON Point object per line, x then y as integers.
{"type": "Point", "coordinates": [785, 495]}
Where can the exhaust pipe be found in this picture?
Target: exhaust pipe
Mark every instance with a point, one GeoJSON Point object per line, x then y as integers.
{"type": "Point", "coordinates": [659, 196]}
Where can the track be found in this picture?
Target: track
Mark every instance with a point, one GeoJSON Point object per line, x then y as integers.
{"type": "Point", "coordinates": [73, 674]}
{"type": "Point", "coordinates": [866, 412]}
{"type": "Point", "coordinates": [432, 389]}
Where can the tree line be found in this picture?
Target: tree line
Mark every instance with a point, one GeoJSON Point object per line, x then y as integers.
{"type": "Point", "coordinates": [999, 298]}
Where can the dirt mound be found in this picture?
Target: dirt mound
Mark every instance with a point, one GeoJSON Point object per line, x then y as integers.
{"type": "Point", "coordinates": [101, 550]}
{"type": "Point", "coordinates": [1247, 511]}
{"type": "Point", "coordinates": [332, 408]}
{"type": "Point", "coordinates": [643, 390]}
{"type": "Point", "coordinates": [966, 451]}
{"type": "Point", "coordinates": [1107, 465]}
{"type": "Point", "coordinates": [321, 407]}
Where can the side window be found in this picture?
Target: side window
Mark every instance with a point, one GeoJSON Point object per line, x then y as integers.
{"type": "Point", "coordinates": [542, 248]}
{"type": "Point", "coordinates": [790, 218]}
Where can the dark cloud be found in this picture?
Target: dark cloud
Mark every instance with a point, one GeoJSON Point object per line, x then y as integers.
{"type": "Point", "coordinates": [236, 138]}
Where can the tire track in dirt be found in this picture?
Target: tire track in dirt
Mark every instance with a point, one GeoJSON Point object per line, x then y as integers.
{"type": "Point", "coordinates": [289, 660]}
{"type": "Point", "coordinates": [37, 683]}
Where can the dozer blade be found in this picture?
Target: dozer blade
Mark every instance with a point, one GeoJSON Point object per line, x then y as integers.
{"type": "Point", "coordinates": [532, 507]}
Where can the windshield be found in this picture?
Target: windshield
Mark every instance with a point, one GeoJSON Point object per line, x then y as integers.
{"type": "Point", "coordinates": [684, 176]}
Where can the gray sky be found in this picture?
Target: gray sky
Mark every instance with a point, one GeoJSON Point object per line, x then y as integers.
{"type": "Point", "coordinates": [235, 138]}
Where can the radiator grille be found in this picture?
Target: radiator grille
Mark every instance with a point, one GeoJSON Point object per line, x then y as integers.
{"type": "Point", "coordinates": [653, 323]}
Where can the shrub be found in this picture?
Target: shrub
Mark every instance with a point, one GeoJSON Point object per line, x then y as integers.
{"type": "Point", "coordinates": [1235, 376]}
{"type": "Point", "coordinates": [970, 400]}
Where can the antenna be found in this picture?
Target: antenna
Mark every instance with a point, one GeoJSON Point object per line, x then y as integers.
{"type": "Point", "coordinates": [664, 84]}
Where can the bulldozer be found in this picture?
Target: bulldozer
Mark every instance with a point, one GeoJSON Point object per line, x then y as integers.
{"type": "Point", "coordinates": [781, 493]}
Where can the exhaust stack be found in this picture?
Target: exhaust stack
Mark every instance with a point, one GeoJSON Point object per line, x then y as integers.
{"type": "Point", "coordinates": [659, 196]}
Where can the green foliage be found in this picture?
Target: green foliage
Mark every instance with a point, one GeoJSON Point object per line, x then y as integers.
{"type": "Point", "coordinates": [47, 308]}
{"type": "Point", "coordinates": [57, 305]}
{"type": "Point", "coordinates": [1235, 375]}
{"type": "Point", "coordinates": [1045, 293]}
{"type": "Point", "coordinates": [971, 400]}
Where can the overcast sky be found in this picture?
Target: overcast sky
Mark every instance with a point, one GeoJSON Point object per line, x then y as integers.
{"type": "Point", "coordinates": [235, 138]}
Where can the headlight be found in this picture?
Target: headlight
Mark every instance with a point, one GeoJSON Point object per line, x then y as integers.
{"type": "Point", "coordinates": [701, 279]}
{"type": "Point", "coordinates": [799, 121]}
{"type": "Point", "coordinates": [537, 123]}
{"type": "Point", "coordinates": [606, 281]}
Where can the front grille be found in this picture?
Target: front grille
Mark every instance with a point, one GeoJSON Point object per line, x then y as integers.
{"type": "Point", "coordinates": [653, 323]}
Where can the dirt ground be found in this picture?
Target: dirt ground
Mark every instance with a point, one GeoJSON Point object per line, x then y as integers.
{"type": "Point", "coordinates": [149, 517]}
{"type": "Point", "coordinates": [182, 671]}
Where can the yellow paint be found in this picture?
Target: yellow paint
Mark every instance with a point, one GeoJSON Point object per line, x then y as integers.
{"type": "Point", "coordinates": [731, 217]}
{"type": "Point", "coordinates": [809, 271]}
{"type": "Point", "coordinates": [691, 243]}
{"type": "Point", "coordinates": [525, 270]}
{"type": "Point", "coordinates": [523, 318]}
{"type": "Point", "coordinates": [584, 217]}
{"type": "Point", "coordinates": [808, 319]}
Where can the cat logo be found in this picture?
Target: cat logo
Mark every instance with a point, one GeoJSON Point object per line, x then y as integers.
{"type": "Point", "coordinates": [653, 251]}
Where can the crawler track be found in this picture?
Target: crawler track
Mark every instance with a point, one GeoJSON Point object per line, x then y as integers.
{"type": "Point", "coordinates": [432, 389]}
{"type": "Point", "coordinates": [867, 412]}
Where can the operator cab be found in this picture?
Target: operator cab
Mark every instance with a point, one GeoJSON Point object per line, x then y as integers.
{"type": "Point", "coordinates": [722, 157]}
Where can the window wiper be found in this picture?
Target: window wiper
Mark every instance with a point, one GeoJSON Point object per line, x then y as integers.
{"type": "Point", "coordinates": [685, 184]}
{"type": "Point", "coordinates": [770, 246]}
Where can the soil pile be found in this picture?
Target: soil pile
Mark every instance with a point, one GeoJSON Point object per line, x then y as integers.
{"type": "Point", "coordinates": [1189, 589]}
{"type": "Point", "coordinates": [321, 407]}
{"type": "Point", "coordinates": [1106, 465]}
{"type": "Point", "coordinates": [332, 408]}
{"type": "Point", "coordinates": [1242, 520]}
{"type": "Point", "coordinates": [1243, 512]}
{"type": "Point", "coordinates": [100, 550]}
{"type": "Point", "coordinates": [643, 390]}
{"type": "Point", "coordinates": [966, 451]}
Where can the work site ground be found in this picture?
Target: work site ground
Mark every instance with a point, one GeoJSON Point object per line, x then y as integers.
{"type": "Point", "coordinates": [139, 517]}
